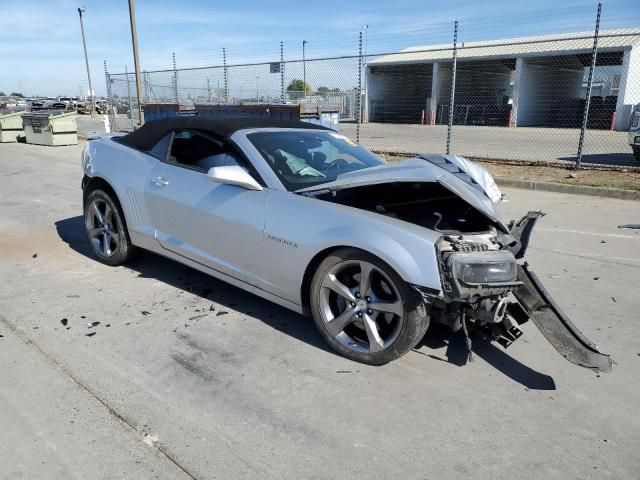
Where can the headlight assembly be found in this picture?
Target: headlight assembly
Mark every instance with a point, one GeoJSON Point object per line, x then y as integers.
{"type": "Point", "coordinates": [476, 268]}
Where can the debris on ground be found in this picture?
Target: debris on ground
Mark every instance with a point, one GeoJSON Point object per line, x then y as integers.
{"type": "Point", "coordinates": [108, 325]}
{"type": "Point", "coordinates": [144, 312]}
{"type": "Point", "coordinates": [35, 255]}
{"type": "Point", "coordinates": [635, 226]}
{"type": "Point", "coordinates": [64, 321]}
{"type": "Point", "coordinates": [343, 371]}
{"type": "Point", "coordinates": [221, 312]}
{"type": "Point", "coordinates": [149, 440]}
{"type": "Point", "coordinates": [572, 175]}
{"type": "Point", "coordinates": [2, 336]}
{"type": "Point", "coordinates": [197, 317]}
{"type": "Point", "coordinates": [83, 316]}
{"type": "Point", "coordinates": [72, 296]}
{"type": "Point", "coordinates": [614, 299]}
{"type": "Point", "coordinates": [89, 334]}
{"type": "Point", "coordinates": [596, 278]}
{"type": "Point", "coordinates": [603, 241]}
{"type": "Point", "coordinates": [93, 324]}
{"type": "Point", "coordinates": [212, 307]}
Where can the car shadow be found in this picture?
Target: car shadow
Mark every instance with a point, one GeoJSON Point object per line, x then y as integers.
{"type": "Point", "coordinates": [224, 295]}
{"type": "Point", "coordinates": [151, 265]}
{"type": "Point", "coordinates": [439, 336]}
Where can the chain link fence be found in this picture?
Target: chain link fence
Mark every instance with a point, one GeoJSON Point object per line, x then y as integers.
{"type": "Point", "coordinates": [566, 97]}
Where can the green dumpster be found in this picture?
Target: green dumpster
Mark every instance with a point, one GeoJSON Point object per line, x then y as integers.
{"type": "Point", "coordinates": [50, 128]}
{"type": "Point", "coordinates": [10, 126]}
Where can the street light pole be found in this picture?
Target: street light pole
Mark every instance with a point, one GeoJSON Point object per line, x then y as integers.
{"type": "Point", "coordinates": [136, 61]}
{"type": "Point", "coordinates": [81, 10]}
{"type": "Point", "coordinates": [304, 70]}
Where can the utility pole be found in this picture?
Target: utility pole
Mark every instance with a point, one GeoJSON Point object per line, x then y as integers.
{"type": "Point", "coordinates": [81, 10]}
{"type": "Point", "coordinates": [304, 70]}
{"type": "Point", "coordinates": [136, 61]}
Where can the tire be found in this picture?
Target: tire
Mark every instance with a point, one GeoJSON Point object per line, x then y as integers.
{"type": "Point", "coordinates": [347, 319]}
{"type": "Point", "coordinates": [107, 223]}
{"type": "Point", "coordinates": [636, 152]}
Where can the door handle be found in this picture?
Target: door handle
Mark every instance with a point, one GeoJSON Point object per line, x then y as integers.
{"type": "Point", "coordinates": [160, 181]}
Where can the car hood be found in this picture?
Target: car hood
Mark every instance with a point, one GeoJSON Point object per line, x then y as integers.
{"type": "Point", "coordinates": [411, 171]}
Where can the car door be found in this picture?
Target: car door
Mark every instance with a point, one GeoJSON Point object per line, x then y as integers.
{"type": "Point", "coordinates": [214, 224]}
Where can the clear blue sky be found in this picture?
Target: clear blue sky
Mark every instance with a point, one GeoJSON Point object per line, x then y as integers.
{"type": "Point", "coordinates": [41, 49]}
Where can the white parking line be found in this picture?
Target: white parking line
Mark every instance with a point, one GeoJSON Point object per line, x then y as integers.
{"type": "Point", "coordinates": [613, 235]}
{"type": "Point", "coordinates": [594, 256]}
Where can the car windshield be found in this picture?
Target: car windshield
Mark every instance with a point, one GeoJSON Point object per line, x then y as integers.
{"type": "Point", "coordinates": [305, 158]}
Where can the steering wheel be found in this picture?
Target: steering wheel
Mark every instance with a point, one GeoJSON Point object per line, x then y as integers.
{"type": "Point", "coordinates": [338, 164]}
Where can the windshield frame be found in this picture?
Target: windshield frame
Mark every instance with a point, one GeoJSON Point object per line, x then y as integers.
{"type": "Point", "coordinates": [273, 180]}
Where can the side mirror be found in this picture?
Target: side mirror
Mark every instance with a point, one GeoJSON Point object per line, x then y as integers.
{"type": "Point", "coordinates": [233, 175]}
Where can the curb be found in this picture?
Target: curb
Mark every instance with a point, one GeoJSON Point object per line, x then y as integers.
{"type": "Point", "coordinates": [573, 189]}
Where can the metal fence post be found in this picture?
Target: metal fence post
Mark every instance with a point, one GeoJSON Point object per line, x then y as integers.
{"type": "Point", "coordinates": [145, 86]}
{"type": "Point", "coordinates": [110, 112]}
{"type": "Point", "coordinates": [226, 75]}
{"type": "Point", "coordinates": [282, 92]}
{"type": "Point", "coordinates": [359, 91]}
{"type": "Point", "coordinates": [175, 79]}
{"type": "Point", "coordinates": [126, 73]}
{"type": "Point", "coordinates": [453, 85]}
{"type": "Point", "coordinates": [585, 117]}
{"type": "Point", "coordinates": [208, 90]}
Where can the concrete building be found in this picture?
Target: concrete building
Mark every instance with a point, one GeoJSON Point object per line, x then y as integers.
{"type": "Point", "coordinates": [518, 82]}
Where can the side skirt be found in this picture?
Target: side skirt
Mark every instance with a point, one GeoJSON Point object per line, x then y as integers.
{"type": "Point", "coordinates": [151, 244]}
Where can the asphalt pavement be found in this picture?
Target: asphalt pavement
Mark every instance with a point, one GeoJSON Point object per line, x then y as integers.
{"type": "Point", "coordinates": [154, 370]}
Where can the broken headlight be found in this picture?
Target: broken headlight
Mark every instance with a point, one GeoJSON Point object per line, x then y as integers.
{"type": "Point", "coordinates": [476, 268]}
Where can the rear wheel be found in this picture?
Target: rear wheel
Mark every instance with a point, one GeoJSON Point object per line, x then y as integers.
{"type": "Point", "coordinates": [106, 229]}
{"type": "Point", "coordinates": [364, 310]}
{"type": "Point", "coordinates": [636, 152]}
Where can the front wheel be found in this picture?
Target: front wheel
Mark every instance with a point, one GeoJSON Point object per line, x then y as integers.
{"type": "Point", "coordinates": [364, 310]}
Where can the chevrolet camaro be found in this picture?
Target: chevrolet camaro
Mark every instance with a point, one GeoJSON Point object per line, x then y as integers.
{"type": "Point", "coordinates": [306, 218]}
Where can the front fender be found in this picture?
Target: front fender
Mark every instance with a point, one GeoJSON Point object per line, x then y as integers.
{"type": "Point", "coordinates": [298, 228]}
{"type": "Point", "coordinates": [413, 258]}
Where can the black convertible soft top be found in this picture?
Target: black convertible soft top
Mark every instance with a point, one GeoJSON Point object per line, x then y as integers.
{"type": "Point", "coordinates": [148, 135]}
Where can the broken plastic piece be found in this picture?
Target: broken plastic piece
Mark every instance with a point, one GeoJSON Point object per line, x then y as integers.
{"type": "Point", "coordinates": [521, 231]}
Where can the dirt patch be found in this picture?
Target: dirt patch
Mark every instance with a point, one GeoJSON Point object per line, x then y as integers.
{"type": "Point", "coordinates": [626, 180]}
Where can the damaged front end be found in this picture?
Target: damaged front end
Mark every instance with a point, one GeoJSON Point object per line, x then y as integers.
{"type": "Point", "coordinates": [482, 282]}
{"type": "Point", "coordinates": [484, 285]}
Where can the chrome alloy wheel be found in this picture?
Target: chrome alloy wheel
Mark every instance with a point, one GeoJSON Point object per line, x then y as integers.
{"type": "Point", "coordinates": [361, 306]}
{"type": "Point", "coordinates": [102, 228]}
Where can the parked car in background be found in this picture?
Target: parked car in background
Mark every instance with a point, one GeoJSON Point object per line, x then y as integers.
{"type": "Point", "coordinates": [634, 132]}
{"type": "Point", "coordinates": [303, 216]}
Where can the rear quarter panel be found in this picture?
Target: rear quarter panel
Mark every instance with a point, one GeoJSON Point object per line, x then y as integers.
{"type": "Point", "coordinates": [127, 171]}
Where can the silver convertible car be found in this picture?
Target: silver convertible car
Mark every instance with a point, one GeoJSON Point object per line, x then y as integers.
{"type": "Point", "coordinates": [304, 217]}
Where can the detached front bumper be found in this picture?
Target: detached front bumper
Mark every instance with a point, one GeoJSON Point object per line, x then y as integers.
{"type": "Point", "coordinates": [556, 326]}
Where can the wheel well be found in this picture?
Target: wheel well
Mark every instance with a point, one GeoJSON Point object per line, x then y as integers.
{"type": "Point", "coordinates": [94, 183]}
{"type": "Point", "coordinates": [305, 288]}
